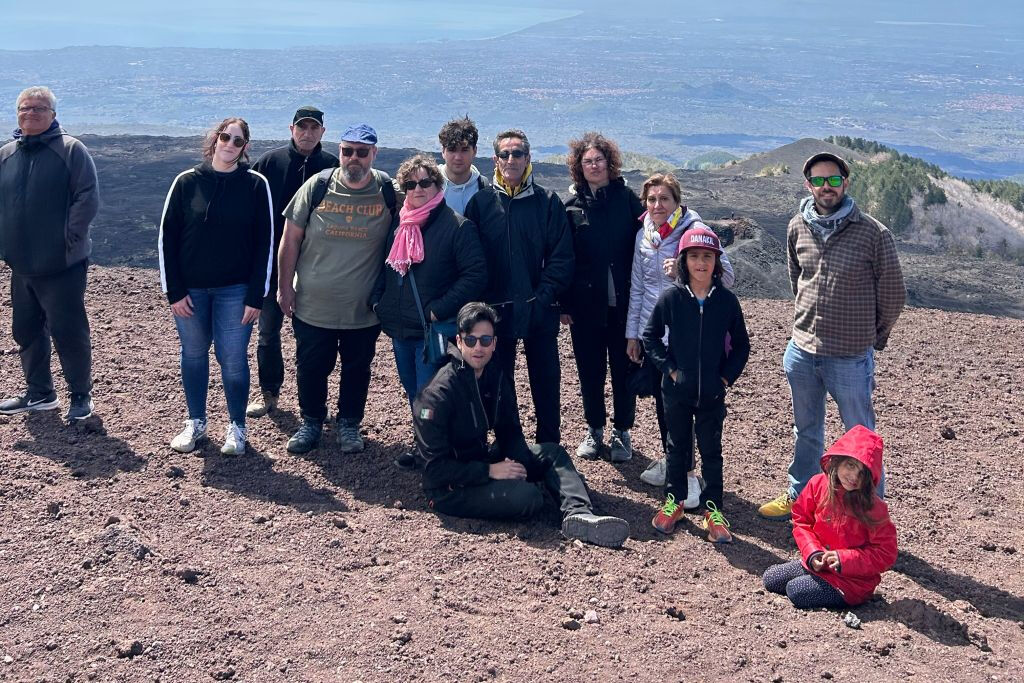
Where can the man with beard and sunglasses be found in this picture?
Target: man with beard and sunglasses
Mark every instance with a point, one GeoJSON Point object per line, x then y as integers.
{"type": "Point", "coordinates": [529, 250]}
{"type": "Point", "coordinates": [331, 253]}
{"type": "Point", "coordinates": [846, 277]}
{"type": "Point", "coordinates": [286, 168]}
{"type": "Point", "coordinates": [464, 476]}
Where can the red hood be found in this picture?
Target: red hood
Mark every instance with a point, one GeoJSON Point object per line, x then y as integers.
{"type": "Point", "coordinates": [861, 443]}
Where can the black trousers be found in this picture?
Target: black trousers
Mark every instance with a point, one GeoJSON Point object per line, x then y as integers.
{"type": "Point", "coordinates": [52, 306]}
{"type": "Point", "coordinates": [545, 371]}
{"type": "Point", "coordinates": [519, 499]}
{"type": "Point", "coordinates": [316, 351]}
{"type": "Point", "coordinates": [596, 349]}
{"type": "Point", "coordinates": [268, 347]}
{"type": "Point", "coordinates": [684, 422]}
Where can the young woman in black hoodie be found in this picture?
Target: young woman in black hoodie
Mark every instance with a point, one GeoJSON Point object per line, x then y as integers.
{"type": "Point", "coordinates": [215, 260]}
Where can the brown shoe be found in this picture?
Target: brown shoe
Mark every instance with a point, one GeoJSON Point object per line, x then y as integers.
{"type": "Point", "coordinates": [261, 406]}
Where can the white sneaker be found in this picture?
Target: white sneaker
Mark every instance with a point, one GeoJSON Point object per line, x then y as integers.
{"type": "Point", "coordinates": [694, 486]}
{"type": "Point", "coordinates": [655, 473]}
{"type": "Point", "coordinates": [234, 440]}
{"type": "Point", "coordinates": [192, 434]}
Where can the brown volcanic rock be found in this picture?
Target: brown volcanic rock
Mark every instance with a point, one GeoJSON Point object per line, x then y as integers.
{"type": "Point", "coordinates": [302, 597]}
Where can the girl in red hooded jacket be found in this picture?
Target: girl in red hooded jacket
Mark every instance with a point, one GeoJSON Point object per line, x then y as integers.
{"type": "Point", "coordinates": [842, 529]}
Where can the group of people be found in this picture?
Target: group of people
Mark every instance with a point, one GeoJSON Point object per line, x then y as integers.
{"type": "Point", "coordinates": [456, 269]}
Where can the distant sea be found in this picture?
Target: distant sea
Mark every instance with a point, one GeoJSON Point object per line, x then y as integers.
{"type": "Point", "coordinates": [232, 24]}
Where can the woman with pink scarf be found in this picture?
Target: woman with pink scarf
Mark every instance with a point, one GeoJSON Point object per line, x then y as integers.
{"type": "Point", "coordinates": [439, 249]}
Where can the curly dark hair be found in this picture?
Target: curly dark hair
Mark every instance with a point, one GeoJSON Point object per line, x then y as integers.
{"type": "Point", "coordinates": [423, 161]}
{"type": "Point", "coordinates": [459, 132]}
{"type": "Point", "coordinates": [593, 140]}
{"type": "Point", "coordinates": [210, 141]}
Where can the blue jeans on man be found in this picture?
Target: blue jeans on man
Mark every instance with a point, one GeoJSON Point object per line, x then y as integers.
{"type": "Point", "coordinates": [216, 318]}
{"type": "Point", "coordinates": [849, 380]}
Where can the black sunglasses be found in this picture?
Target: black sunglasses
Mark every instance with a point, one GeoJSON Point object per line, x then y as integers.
{"type": "Point", "coordinates": [471, 340]}
{"type": "Point", "coordinates": [228, 137]}
{"type": "Point", "coordinates": [362, 152]}
{"type": "Point", "coordinates": [832, 180]}
{"type": "Point", "coordinates": [410, 185]}
{"type": "Point", "coordinates": [514, 153]}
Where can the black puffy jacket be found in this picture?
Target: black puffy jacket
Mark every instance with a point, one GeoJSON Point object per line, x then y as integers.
{"type": "Point", "coordinates": [453, 273]}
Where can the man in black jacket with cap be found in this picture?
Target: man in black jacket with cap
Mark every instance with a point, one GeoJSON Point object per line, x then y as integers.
{"type": "Point", "coordinates": [466, 477]}
{"type": "Point", "coordinates": [286, 169]}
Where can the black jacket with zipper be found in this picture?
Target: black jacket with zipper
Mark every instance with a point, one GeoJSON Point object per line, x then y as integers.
{"type": "Point", "coordinates": [453, 273]}
{"type": "Point", "coordinates": [286, 169]}
{"type": "Point", "coordinates": [696, 342]}
{"type": "Point", "coordinates": [216, 231]}
{"type": "Point", "coordinates": [452, 417]}
{"type": "Point", "coordinates": [604, 226]}
{"type": "Point", "coordinates": [529, 254]}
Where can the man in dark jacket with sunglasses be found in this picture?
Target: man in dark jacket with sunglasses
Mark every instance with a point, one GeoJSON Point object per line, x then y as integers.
{"type": "Point", "coordinates": [528, 244]}
{"type": "Point", "coordinates": [286, 169]}
{"type": "Point", "coordinates": [466, 477]}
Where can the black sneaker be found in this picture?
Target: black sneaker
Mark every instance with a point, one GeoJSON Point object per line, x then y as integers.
{"type": "Point", "coordinates": [23, 404]}
{"type": "Point", "coordinates": [409, 460]}
{"type": "Point", "coordinates": [306, 439]}
{"type": "Point", "coordinates": [81, 407]}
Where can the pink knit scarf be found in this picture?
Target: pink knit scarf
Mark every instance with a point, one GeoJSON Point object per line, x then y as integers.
{"type": "Point", "coordinates": [408, 246]}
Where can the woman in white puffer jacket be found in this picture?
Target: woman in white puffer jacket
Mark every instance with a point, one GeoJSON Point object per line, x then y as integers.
{"type": "Point", "coordinates": [654, 258]}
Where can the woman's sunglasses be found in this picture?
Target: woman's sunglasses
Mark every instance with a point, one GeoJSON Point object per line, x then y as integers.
{"type": "Point", "coordinates": [410, 185]}
{"type": "Point", "coordinates": [471, 340]}
{"type": "Point", "coordinates": [228, 137]}
{"type": "Point", "coordinates": [832, 180]}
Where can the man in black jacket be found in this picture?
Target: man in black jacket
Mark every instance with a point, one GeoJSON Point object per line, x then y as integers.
{"type": "Point", "coordinates": [530, 261]}
{"type": "Point", "coordinates": [465, 477]}
{"type": "Point", "coordinates": [286, 169]}
{"type": "Point", "coordinates": [48, 198]}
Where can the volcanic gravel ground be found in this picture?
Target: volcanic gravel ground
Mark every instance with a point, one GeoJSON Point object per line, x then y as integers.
{"type": "Point", "coordinates": [124, 561]}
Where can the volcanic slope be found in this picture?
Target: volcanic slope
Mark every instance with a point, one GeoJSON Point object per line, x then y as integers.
{"type": "Point", "coordinates": [124, 561]}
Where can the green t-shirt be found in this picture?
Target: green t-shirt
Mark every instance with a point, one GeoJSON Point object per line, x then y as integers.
{"type": "Point", "coordinates": [342, 253]}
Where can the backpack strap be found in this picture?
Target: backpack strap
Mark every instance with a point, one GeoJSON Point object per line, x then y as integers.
{"type": "Point", "coordinates": [323, 179]}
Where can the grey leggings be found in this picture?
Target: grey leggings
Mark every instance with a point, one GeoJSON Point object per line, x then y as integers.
{"type": "Point", "coordinates": [804, 590]}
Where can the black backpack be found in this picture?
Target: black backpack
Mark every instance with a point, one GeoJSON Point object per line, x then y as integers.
{"type": "Point", "coordinates": [323, 179]}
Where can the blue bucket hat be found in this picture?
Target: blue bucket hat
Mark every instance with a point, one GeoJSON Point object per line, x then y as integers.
{"type": "Point", "coordinates": [362, 132]}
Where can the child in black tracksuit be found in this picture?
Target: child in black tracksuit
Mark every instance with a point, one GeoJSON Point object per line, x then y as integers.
{"type": "Point", "coordinates": [706, 352]}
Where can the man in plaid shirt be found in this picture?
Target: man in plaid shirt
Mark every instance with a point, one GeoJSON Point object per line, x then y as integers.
{"type": "Point", "coordinates": [849, 291]}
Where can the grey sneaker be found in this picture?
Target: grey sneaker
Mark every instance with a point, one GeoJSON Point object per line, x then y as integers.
{"type": "Point", "coordinates": [608, 532]}
{"type": "Point", "coordinates": [234, 440]}
{"type": "Point", "coordinates": [591, 444]}
{"type": "Point", "coordinates": [190, 436]}
{"type": "Point", "coordinates": [263, 405]}
{"type": "Point", "coordinates": [306, 438]}
{"type": "Point", "coordinates": [349, 440]}
{"type": "Point", "coordinates": [655, 473]}
{"type": "Point", "coordinates": [26, 403]}
{"type": "Point", "coordinates": [80, 408]}
{"type": "Point", "coordinates": [621, 446]}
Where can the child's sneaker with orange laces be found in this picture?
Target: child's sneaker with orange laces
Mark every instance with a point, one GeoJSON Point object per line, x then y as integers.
{"type": "Point", "coordinates": [716, 525]}
{"type": "Point", "coordinates": [668, 516]}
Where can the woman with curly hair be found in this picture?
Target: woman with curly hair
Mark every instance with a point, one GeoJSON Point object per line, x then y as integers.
{"type": "Point", "coordinates": [603, 215]}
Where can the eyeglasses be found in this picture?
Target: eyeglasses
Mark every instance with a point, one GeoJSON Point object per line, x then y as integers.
{"type": "Point", "coordinates": [599, 161]}
{"type": "Point", "coordinates": [514, 153]}
{"type": "Point", "coordinates": [25, 109]}
{"type": "Point", "coordinates": [362, 152]}
{"type": "Point", "coordinates": [471, 340]}
{"type": "Point", "coordinates": [410, 185]}
{"type": "Point", "coordinates": [832, 180]}
{"type": "Point", "coordinates": [237, 140]}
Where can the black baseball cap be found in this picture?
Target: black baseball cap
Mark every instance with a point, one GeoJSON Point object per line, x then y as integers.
{"type": "Point", "coordinates": [308, 113]}
{"type": "Point", "coordinates": [844, 168]}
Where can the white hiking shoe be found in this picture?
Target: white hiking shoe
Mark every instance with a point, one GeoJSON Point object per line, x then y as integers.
{"type": "Point", "coordinates": [190, 436]}
{"type": "Point", "coordinates": [234, 440]}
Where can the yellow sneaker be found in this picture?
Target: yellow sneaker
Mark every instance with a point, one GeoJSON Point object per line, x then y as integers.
{"type": "Point", "coordinates": [778, 509]}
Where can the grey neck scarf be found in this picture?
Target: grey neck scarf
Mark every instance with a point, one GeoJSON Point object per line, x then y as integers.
{"type": "Point", "coordinates": [825, 226]}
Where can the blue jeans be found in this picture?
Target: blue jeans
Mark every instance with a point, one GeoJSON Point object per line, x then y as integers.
{"type": "Point", "coordinates": [849, 380]}
{"type": "Point", "coordinates": [413, 371]}
{"type": "Point", "coordinates": [217, 318]}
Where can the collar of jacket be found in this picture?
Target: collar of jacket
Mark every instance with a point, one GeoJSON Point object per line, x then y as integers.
{"type": "Point", "coordinates": [31, 140]}
{"type": "Point", "coordinates": [294, 152]}
{"type": "Point", "coordinates": [206, 169]}
{"type": "Point", "coordinates": [521, 191]}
